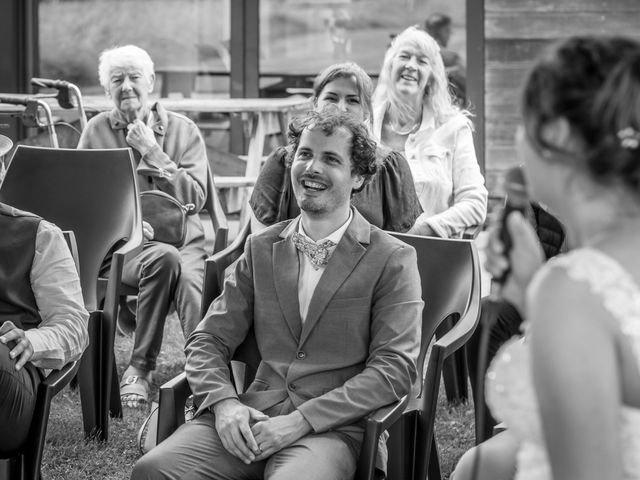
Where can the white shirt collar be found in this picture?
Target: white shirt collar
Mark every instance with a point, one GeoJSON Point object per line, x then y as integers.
{"type": "Point", "coordinates": [335, 237]}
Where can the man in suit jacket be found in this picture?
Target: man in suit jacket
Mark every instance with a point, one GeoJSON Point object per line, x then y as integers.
{"type": "Point", "coordinates": [337, 331]}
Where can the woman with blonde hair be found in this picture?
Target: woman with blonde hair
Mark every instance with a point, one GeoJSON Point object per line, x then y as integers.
{"type": "Point", "coordinates": [413, 113]}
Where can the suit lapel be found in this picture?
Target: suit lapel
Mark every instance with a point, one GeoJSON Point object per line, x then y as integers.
{"type": "Point", "coordinates": [346, 256]}
{"type": "Point", "coordinates": [285, 276]}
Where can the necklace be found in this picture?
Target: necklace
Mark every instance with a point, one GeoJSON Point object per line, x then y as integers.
{"type": "Point", "coordinates": [414, 128]}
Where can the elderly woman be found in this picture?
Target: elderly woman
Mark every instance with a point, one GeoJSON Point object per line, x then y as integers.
{"type": "Point", "coordinates": [414, 114]}
{"type": "Point", "coordinates": [388, 201]}
{"type": "Point", "coordinates": [170, 156]}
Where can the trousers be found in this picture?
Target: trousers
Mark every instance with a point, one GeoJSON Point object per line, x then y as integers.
{"type": "Point", "coordinates": [195, 452]}
{"type": "Point", "coordinates": [17, 401]}
{"type": "Point", "coordinates": [163, 274]}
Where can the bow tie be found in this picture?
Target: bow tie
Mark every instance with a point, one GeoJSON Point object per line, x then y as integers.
{"type": "Point", "coordinates": [318, 253]}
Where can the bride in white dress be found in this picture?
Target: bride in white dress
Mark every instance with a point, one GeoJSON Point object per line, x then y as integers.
{"type": "Point", "coordinates": [569, 389]}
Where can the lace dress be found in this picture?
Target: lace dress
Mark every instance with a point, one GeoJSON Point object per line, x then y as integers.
{"type": "Point", "coordinates": [509, 383]}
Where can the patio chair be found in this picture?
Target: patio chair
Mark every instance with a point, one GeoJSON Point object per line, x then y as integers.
{"type": "Point", "coordinates": [25, 464]}
{"type": "Point", "coordinates": [94, 194]}
{"type": "Point", "coordinates": [450, 275]}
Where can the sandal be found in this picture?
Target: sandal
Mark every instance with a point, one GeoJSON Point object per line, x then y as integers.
{"type": "Point", "coordinates": [134, 391]}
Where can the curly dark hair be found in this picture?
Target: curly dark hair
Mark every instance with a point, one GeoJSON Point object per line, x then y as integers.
{"type": "Point", "coordinates": [594, 83]}
{"type": "Point", "coordinates": [328, 120]}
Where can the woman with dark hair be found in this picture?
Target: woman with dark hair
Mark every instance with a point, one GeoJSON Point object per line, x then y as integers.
{"type": "Point", "coordinates": [388, 201]}
{"type": "Point", "coordinates": [569, 390]}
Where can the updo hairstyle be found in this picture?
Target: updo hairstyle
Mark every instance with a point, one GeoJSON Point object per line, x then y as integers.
{"type": "Point", "coordinates": [594, 83]}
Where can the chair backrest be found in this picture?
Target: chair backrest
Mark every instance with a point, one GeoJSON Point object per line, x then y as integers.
{"type": "Point", "coordinates": [447, 272]}
{"type": "Point", "coordinates": [450, 276]}
{"type": "Point", "coordinates": [216, 213]}
{"type": "Point", "coordinates": [215, 266]}
{"type": "Point", "coordinates": [91, 192]}
{"type": "Point", "coordinates": [214, 273]}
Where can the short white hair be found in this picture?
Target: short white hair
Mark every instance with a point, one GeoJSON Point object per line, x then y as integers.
{"type": "Point", "coordinates": [119, 56]}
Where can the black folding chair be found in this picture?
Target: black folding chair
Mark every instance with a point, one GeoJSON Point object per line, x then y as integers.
{"type": "Point", "coordinates": [94, 194]}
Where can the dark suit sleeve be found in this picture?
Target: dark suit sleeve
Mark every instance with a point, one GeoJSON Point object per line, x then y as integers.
{"type": "Point", "coordinates": [390, 369]}
{"type": "Point", "coordinates": [210, 347]}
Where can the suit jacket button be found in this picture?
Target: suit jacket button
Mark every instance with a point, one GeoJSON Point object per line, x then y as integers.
{"type": "Point", "coordinates": [292, 387]}
{"type": "Point", "coordinates": [301, 355]}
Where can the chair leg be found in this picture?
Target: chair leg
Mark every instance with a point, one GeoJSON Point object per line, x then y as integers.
{"type": "Point", "coordinates": [109, 385]}
{"type": "Point", "coordinates": [454, 369]}
{"type": "Point", "coordinates": [115, 405]}
{"type": "Point", "coordinates": [89, 379]}
{"type": "Point", "coordinates": [126, 321]}
{"type": "Point", "coordinates": [454, 372]}
{"type": "Point", "coordinates": [434, 462]}
{"type": "Point", "coordinates": [10, 468]}
{"type": "Point", "coordinates": [400, 445]}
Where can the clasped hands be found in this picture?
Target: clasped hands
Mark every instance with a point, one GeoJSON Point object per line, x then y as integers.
{"type": "Point", "coordinates": [21, 349]}
{"type": "Point", "coordinates": [252, 436]}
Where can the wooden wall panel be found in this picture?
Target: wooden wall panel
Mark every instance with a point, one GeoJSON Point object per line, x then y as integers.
{"type": "Point", "coordinates": [551, 6]}
{"type": "Point", "coordinates": [553, 25]}
{"type": "Point", "coordinates": [517, 32]}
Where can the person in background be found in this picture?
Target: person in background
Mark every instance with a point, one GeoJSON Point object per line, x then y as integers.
{"type": "Point", "coordinates": [335, 306]}
{"type": "Point", "coordinates": [170, 156]}
{"type": "Point", "coordinates": [413, 114]}
{"type": "Point", "coordinates": [43, 322]}
{"type": "Point", "coordinates": [388, 201]}
{"type": "Point", "coordinates": [569, 391]}
{"type": "Point", "coordinates": [438, 26]}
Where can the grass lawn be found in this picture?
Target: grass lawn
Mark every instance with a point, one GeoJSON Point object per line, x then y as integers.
{"type": "Point", "coordinates": [69, 457]}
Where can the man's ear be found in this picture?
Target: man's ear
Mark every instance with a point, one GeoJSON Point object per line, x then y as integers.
{"type": "Point", "coordinates": [358, 180]}
{"type": "Point", "coordinates": [152, 82]}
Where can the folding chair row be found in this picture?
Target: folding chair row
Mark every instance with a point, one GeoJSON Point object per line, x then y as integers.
{"type": "Point", "coordinates": [94, 194]}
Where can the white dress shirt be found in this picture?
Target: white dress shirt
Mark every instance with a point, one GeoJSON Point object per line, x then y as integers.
{"type": "Point", "coordinates": [309, 277]}
{"type": "Point", "coordinates": [62, 335]}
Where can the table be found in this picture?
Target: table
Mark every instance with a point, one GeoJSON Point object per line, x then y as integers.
{"type": "Point", "coordinates": [236, 191]}
{"type": "Point", "coordinates": [264, 116]}
{"type": "Point", "coordinates": [181, 80]}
